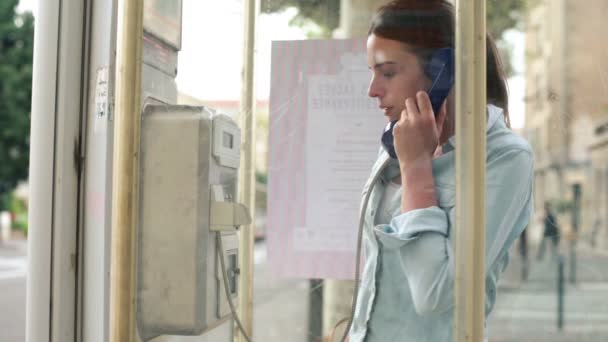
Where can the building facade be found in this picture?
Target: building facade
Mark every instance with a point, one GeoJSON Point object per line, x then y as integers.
{"type": "Point", "coordinates": [567, 113]}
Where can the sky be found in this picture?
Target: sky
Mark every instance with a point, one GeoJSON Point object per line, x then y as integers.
{"type": "Point", "coordinates": [217, 37]}
{"type": "Point", "coordinates": [28, 5]}
{"type": "Point", "coordinates": [212, 37]}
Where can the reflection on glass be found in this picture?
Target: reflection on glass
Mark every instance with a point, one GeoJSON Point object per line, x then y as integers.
{"type": "Point", "coordinates": [555, 288]}
{"type": "Point", "coordinates": [557, 76]}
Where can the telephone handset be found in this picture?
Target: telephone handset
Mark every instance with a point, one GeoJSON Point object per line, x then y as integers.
{"type": "Point", "coordinates": [441, 71]}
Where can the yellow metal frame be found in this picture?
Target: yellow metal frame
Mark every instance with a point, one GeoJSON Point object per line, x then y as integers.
{"type": "Point", "coordinates": [469, 285]}
{"type": "Point", "coordinates": [247, 170]}
{"type": "Point", "coordinates": [125, 176]}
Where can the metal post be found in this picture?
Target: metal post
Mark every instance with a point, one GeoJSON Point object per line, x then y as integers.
{"type": "Point", "coordinates": [315, 310]}
{"type": "Point", "coordinates": [470, 86]}
{"type": "Point", "coordinates": [572, 273]}
{"type": "Point", "coordinates": [125, 165]}
{"type": "Point", "coordinates": [576, 189]}
{"type": "Point", "coordinates": [560, 292]}
{"type": "Point", "coordinates": [247, 171]}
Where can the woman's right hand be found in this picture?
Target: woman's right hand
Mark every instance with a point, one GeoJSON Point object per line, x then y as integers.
{"type": "Point", "coordinates": [417, 133]}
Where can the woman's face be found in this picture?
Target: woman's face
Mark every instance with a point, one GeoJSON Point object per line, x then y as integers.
{"type": "Point", "coordinates": [396, 74]}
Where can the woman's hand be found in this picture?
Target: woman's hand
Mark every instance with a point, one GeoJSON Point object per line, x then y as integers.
{"type": "Point", "coordinates": [416, 134]}
{"type": "Point", "coordinates": [416, 138]}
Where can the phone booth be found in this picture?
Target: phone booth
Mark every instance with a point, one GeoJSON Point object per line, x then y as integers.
{"type": "Point", "coordinates": [186, 263]}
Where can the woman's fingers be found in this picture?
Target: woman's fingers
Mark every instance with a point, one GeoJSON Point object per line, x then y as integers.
{"type": "Point", "coordinates": [403, 116]}
{"type": "Point", "coordinates": [411, 107]}
{"type": "Point", "coordinates": [424, 104]}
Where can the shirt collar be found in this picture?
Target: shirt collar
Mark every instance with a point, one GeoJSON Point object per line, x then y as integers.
{"type": "Point", "coordinates": [493, 114]}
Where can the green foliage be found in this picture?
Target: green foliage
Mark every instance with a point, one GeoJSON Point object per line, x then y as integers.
{"type": "Point", "coordinates": [261, 177]}
{"type": "Point", "coordinates": [16, 52]}
{"type": "Point", "coordinates": [324, 13]}
{"type": "Point", "coordinates": [503, 15]}
{"type": "Point", "coordinates": [18, 208]}
{"type": "Point", "coordinates": [261, 197]}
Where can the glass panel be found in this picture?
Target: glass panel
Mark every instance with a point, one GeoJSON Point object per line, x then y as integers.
{"type": "Point", "coordinates": [555, 286]}
{"type": "Point", "coordinates": [317, 138]}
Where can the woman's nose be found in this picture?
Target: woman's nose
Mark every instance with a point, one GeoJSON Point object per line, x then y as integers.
{"type": "Point", "coordinates": [374, 89]}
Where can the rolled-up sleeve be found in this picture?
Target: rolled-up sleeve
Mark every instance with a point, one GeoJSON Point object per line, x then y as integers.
{"type": "Point", "coordinates": [423, 237]}
{"type": "Point", "coordinates": [408, 226]}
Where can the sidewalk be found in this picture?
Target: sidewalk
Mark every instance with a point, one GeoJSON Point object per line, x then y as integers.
{"type": "Point", "coordinates": [528, 310]}
{"type": "Point", "coordinates": [13, 272]}
{"type": "Point", "coordinates": [13, 247]}
{"type": "Point", "coordinates": [525, 310]}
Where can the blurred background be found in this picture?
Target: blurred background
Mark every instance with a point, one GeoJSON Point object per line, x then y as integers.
{"type": "Point", "coordinates": [556, 286]}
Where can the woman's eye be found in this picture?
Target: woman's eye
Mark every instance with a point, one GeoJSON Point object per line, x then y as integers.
{"type": "Point", "coordinates": [388, 74]}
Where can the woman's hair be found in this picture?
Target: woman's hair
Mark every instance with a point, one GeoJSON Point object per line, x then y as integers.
{"type": "Point", "coordinates": [427, 25]}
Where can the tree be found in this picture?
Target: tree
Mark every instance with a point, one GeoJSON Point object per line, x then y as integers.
{"type": "Point", "coordinates": [501, 16]}
{"type": "Point", "coordinates": [16, 52]}
{"type": "Point", "coordinates": [324, 13]}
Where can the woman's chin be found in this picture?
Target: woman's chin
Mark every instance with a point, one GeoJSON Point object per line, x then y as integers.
{"type": "Point", "coordinates": [391, 118]}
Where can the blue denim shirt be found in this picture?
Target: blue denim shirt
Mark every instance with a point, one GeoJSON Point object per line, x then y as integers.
{"type": "Point", "coordinates": [406, 290]}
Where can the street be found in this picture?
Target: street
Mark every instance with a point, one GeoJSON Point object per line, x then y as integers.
{"type": "Point", "coordinates": [280, 305]}
{"type": "Point", "coordinates": [13, 267]}
{"type": "Point", "coordinates": [528, 310]}
{"type": "Point", "coordinates": [525, 310]}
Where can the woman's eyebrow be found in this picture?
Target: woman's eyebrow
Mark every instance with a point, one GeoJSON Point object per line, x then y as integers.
{"type": "Point", "coordinates": [380, 65]}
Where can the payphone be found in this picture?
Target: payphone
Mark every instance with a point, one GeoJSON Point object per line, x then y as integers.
{"type": "Point", "coordinates": [189, 159]}
{"type": "Point", "coordinates": [187, 243]}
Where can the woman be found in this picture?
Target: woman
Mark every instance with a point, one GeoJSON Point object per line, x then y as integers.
{"type": "Point", "coordinates": [406, 290]}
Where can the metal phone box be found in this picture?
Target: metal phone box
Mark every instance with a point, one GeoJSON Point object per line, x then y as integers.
{"type": "Point", "coordinates": [189, 161]}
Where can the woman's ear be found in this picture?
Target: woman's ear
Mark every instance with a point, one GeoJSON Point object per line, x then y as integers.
{"type": "Point", "coordinates": [445, 122]}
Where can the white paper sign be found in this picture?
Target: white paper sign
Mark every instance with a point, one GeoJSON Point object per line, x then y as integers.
{"type": "Point", "coordinates": [324, 138]}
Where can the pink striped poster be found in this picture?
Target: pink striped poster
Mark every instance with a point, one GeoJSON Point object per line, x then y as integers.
{"type": "Point", "coordinates": [324, 135]}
